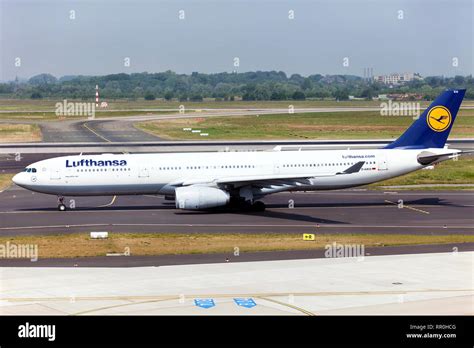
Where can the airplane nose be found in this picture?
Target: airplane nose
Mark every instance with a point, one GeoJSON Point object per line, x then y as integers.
{"type": "Point", "coordinates": [15, 179]}
{"type": "Point", "coordinates": [18, 179]}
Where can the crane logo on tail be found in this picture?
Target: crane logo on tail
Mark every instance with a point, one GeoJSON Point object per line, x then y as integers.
{"type": "Point", "coordinates": [439, 118]}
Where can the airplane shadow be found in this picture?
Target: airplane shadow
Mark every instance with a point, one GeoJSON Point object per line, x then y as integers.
{"type": "Point", "coordinates": [421, 201]}
{"type": "Point", "coordinates": [267, 213]}
{"type": "Point", "coordinates": [285, 215]}
{"type": "Point", "coordinates": [110, 208]}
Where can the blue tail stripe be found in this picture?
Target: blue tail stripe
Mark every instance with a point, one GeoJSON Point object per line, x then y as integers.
{"type": "Point", "coordinates": [432, 132]}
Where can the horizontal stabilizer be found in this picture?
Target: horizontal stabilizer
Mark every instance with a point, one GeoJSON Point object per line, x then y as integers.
{"type": "Point", "coordinates": [426, 158]}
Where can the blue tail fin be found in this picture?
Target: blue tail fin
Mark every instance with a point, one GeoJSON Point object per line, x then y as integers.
{"type": "Point", "coordinates": [434, 124]}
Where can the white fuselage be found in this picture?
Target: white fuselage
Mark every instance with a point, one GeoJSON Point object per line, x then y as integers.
{"type": "Point", "coordinates": [125, 174]}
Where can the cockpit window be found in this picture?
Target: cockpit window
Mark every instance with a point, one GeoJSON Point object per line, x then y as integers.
{"type": "Point", "coordinates": [30, 170]}
{"type": "Point", "coordinates": [33, 170]}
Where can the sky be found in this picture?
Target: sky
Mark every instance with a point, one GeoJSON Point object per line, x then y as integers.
{"type": "Point", "coordinates": [87, 37]}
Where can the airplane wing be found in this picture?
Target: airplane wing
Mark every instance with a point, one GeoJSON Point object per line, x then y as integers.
{"type": "Point", "coordinates": [427, 157]}
{"type": "Point", "coordinates": [269, 179]}
{"type": "Point", "coordinates": [279, 177]}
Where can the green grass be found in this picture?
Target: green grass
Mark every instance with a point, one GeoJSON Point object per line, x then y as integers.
{"type": "Point", "coordinates": [11, 133]}
{"type": "Point", "coordinates": [121, 104]}
{"type": "Point", "coordinates": [5, 181]}
{"type": "Point", "coordinates": [51, 116]}
{"type": "Point", "coordinates": [80, 245]}
{"type": "Point", "coordinates": [329, 125]}
{"type": "Point", "coordinates": [429, 188]}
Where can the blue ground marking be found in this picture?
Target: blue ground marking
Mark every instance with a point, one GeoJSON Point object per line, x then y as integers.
{"type": "Point", "coordinates": [245, 302]}
{"type": "Point", "coordinates": [204, 302]}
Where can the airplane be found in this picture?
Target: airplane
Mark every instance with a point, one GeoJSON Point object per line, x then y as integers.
{"type": "Point", "coordinates": [201, 181]}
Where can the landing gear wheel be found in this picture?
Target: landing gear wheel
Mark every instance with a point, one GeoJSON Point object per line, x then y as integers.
{"type": "Point", "coordinates": [258, 206]}
{"type": "Point", "coordinates": [61, 206]}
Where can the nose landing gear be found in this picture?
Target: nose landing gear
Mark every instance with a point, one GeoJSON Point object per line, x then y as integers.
{"type": "Point", "coordinates": [61, 205]}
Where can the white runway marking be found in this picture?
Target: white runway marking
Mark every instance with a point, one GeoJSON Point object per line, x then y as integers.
{"type": "Point", "coordinates": [108, 204]}
{"type": "Point", "coordinates": [405, 206]}
{"type": "Point", "coordinates": [313, 226]}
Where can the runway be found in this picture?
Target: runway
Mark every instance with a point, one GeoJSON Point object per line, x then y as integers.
{"type": "Point", "coordinates": [348, 211]}
{"type": "Point", "coordinates": [116, 130]}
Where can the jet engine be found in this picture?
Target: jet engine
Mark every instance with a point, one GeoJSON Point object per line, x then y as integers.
{"type": "Point", "coordinates": [200, 197]}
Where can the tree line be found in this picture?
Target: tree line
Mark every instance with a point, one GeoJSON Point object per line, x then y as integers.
{"type": "Point", "coordinates": [259, 85]}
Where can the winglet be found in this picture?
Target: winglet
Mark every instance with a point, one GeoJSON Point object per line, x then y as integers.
{"type": "Point", "coordinates": [354, 168]}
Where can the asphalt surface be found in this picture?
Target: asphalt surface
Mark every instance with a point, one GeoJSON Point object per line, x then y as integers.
{"type": "Point", "coordinates": [93, 131]}
{"type": "Point", "coordinates": [15, 162]}
{"type": "Point", "coordinates": [351, 211]}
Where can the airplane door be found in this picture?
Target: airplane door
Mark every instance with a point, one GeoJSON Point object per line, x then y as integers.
{"type": "Point", "coordinates": [55, 174]}
{"type": "Point", "coordinates": [276, 168]}
{"type": "Point", "coordinates": [382, 163]}
{"type": "Point", "coordinates": [143, 173]}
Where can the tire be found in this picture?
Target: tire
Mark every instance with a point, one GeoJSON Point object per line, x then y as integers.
{"type": "Point", "coordinates": [258, 206]}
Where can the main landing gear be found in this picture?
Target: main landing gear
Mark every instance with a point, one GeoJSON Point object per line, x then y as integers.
{"type": "Point", "coordinates": [258, 206]}
{"type": "Point", "coordinates": [61, 205]}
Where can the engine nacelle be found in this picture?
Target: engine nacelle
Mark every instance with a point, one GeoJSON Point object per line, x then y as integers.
{"type": "Point", "coordinates": [200, 197]}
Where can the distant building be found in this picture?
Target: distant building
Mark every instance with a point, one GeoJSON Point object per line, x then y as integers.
{"type": "Point", "coordinates": [396, 78]}
{"type": "Point", "coordinates": [405, 96]}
